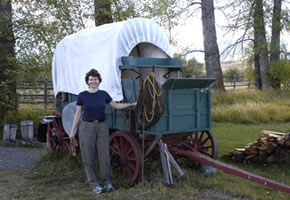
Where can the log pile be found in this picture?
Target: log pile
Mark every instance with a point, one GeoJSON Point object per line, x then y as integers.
{"type": "Point", "coordinates": [271, 147]}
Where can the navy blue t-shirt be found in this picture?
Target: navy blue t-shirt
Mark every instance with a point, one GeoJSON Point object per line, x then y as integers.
{"type": "Point", "coordinates": [93, 104]}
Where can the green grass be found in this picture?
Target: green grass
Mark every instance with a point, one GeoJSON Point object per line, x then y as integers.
{"type": "Point", "coordinates": [60, 176]}
{"type": "Point", "coordinates": [251, 107]}
{"type": "Point", "coordinates": [238, 118]}
{"type": "Point", "coordinates": [230, 136]}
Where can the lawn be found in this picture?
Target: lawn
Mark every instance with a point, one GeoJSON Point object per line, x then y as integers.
{"type": "Point", "coordinates": [230, 136]}
{"type": "Point", "coordinates": [62, 177]}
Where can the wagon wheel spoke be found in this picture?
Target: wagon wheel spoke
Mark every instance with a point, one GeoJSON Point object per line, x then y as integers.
{"type": "Point", "coordinates": [129, 152]}
{"type": "Point", "coordinates": [60, 148]}
{"type": "Point", "coordinates": [207, 147]}
{"type": "Point", "coordinates": [129, 172]}
{"type": "Point", "coordinates": [116, 145]}
{"type": "Point", "coordinates": [203, 142]}
{"type": "Point", "coordinates": [114, 149]}
{"type": "Point", "coordinates": [195, 136]}
{"type": "Point", "coordinates": [57, 140]}
{"type": "Point", "coordinates": [126, 147]}
{"type": "Point", "coordinates": [131, 167]}
{"type": "Point", "coordinates": [200, 137]}
{"type": "Point", "coordinates": [131, 158]}
{"type": "Point", "coordinates": [121, 144]}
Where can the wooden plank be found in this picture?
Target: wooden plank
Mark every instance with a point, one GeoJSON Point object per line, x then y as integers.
{"type": "Point", "coordinates": [266, 132]}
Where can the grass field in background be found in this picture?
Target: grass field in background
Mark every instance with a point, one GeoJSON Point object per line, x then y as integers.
{"type": "Point", "coordinates": [251, 107]}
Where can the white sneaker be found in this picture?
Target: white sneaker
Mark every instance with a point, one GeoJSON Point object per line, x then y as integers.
{"type": "Point", "coordinates": [98, 190]}
{"type": "Point", "coordinates": [109, 187]}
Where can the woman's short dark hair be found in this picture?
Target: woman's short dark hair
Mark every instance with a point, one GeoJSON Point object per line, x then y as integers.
{"type": "Point", "coordinates": [93, 73]}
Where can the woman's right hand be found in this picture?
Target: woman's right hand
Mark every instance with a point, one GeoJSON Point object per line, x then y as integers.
{"type": "Point", "coordinates": [71, 135]}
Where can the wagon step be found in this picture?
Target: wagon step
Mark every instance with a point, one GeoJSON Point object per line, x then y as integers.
{"type": "Point", "coordinates": [231, 169]}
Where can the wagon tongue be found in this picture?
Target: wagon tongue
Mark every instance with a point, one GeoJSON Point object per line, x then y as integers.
{"type": "Point", "coordinates": [187, 83]}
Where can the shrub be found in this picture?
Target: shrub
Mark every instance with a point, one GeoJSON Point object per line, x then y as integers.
{"type": "Point", "coordinates": [233, 72]}
{"type": "Point", "coordinates": [280, 71]}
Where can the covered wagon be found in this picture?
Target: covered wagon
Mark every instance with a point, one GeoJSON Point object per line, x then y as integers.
{"type": "Point", "coordinates": [125, 53]}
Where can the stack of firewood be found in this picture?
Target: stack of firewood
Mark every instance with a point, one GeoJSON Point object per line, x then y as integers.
{"type": "Point", "coordinates": [270, 147]}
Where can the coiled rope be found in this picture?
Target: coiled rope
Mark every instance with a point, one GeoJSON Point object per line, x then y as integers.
{"type": "Point", "coordinates": [150, 105]}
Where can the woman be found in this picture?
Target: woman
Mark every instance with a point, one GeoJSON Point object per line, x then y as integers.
{"type": "Point", "coordinates": [93, 131]}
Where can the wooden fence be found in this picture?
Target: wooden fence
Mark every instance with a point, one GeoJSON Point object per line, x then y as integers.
{"type": "Point", "coordinates": [237, 83]}
{"type": "Point", "coordinates": [41, 92]}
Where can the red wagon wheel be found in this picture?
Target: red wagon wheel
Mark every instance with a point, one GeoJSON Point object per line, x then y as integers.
{"type": "Point", "coordinates": [57, 139]}
{"type": "Point", "coordinates": [125, 154]}
{"type": "Point", "coordinates": [203, 142]}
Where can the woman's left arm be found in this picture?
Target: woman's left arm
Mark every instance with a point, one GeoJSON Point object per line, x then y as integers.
{"type": "Point", "coordinates": [116, 105]}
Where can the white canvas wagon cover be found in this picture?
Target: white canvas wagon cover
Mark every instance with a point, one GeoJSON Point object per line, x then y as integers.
{"type": "Point", "coordinates": [102, 48]}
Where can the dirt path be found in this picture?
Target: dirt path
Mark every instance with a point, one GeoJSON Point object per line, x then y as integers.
{"type": "Point", "coordinates": [19, 158]}
{"type": "Point", "coordinates": [15, 164]}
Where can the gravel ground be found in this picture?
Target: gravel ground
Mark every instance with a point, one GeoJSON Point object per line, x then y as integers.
{"type": "Point", "coordinates": [12, 158]}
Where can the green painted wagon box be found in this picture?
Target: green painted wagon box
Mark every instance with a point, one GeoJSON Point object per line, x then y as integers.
{"type": "Point", "coordinates": [187, 108]}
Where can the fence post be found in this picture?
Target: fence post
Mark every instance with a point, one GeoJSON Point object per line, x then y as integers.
{"type": "Point", "coordinates": [45, 93]}
{"type": "Point", "coordinates": [235, 80]}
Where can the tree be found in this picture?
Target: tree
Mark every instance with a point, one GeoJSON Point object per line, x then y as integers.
{"type": "Point", "coordinates": [8, 97]}
{"type": "Point", "coordinates": [125, 9]}
{"type": "Point", "coordinates": [249, 19]}
{"type": "Point", "coordinates": [260, 48]}
{"type": "Point", "coordinates": [192, 67]}
{"type": "Point", "coordinates": [166, 13]}
{"type": "Point", "coordinates": [39, 26]}
{"type": "Point", "coordinates": [212, 55]}
{"type": "Point", "coordinates": [275, 39]}
{"type": "Point", "coordinates": [103, 12]}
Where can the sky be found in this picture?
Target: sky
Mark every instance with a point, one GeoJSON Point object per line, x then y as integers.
{"type": "Point", "coordinates": [190, 35]}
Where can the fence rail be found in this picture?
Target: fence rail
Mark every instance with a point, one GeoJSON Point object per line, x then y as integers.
{"type": "Point", "coordinates": [237, 83]}
{"type": "Point", "coordinates": [41, 92]}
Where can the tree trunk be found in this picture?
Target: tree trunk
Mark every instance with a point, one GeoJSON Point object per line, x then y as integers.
{"type": "Point", "coordinates": [8, 97]}
{"type": "Point", "coordinates": [212, 55]}
{"type": "Point", "coordinates": [275, 39]}
{"type": "Point", "coordinates": [260, 47]}
{"type": "Point", "coordinates": [103, 12]}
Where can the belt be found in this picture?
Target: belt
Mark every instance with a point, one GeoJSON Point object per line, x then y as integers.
{"type": "Point", "coordinates": [95, 121]}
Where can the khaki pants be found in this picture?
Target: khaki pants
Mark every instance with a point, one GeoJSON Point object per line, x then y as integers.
{"type": "Point", "coordinates": [95, 138]}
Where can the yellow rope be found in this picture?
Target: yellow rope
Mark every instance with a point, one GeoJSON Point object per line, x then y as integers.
{"type": "Point", "coordinates": [153, 94]}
